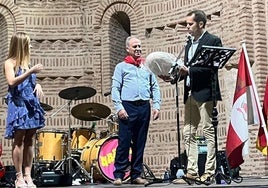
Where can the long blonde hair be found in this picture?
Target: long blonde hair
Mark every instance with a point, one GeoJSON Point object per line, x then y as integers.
{"type": "Point", "coordinates": [19, 49]}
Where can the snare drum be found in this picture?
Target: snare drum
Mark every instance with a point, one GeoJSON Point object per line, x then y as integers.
{"type": "Point", "coordinates": [52, 145]}
{"type": "Point", "coordinates": [80, 136]}
{"type": "Point", "coordinates": [100, 154]}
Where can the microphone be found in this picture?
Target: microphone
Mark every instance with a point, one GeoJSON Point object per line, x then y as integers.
{"type": "Point", "coordinates": [174, 80]}
{"type": "Point", "coordinates": [189, 37]}
{"type": "Point", "coordinates": [107, 93]}
{"type": "Point", "coordinates": [178, 62]}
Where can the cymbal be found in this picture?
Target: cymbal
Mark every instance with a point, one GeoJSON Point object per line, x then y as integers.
{"type": "Point", "coordinates": [75, 93]}
{"type": "Point", "coordinates": [46, 107]}
{"type": "Point", "coordinates": [90, 111]}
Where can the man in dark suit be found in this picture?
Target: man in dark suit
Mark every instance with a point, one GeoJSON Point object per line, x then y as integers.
{"type": "Point", "coordinates": [198, 95]}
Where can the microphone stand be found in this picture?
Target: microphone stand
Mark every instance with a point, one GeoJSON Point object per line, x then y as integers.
{"type": "Point", "coordinates": [176, 78]}
{"type": "Point", "coordinates": [175, 75]}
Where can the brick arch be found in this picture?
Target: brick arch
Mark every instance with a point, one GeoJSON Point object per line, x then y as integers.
{"type": "Point", "coordinates": [103, 16]}
{"type": "Point", "coordinates": [12, 16]}
{"type": "Point", "coordinates": [11, 21]}
{"type": "Point", "coordinates": [106, 10]}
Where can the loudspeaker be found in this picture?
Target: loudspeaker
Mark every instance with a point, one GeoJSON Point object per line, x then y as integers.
{"type": "Point", "coordinates": [202, 157]}
{"type": "Point", "coordinates": [175, 163]}
{"type": "Point", "coordinates": [53, 179]}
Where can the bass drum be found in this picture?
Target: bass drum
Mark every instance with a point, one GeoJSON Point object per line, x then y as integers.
{"type": "Point", "coordinates": [100, 154]}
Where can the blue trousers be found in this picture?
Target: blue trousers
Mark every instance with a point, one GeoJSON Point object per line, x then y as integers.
{"type": "Point", "coordinates": [132, 134]}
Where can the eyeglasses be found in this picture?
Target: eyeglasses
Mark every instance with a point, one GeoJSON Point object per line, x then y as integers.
{"type": "Point", "coordinates": [135, 46]}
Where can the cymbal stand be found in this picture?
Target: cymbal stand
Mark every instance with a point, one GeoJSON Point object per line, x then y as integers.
{"type": "Point", "coordinates": [69, 137]}
{"type": "Point", "coordinates": [69, 158]}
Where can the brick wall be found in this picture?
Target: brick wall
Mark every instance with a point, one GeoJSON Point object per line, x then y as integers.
{"type": "Point", "coordinates": [79, 43]}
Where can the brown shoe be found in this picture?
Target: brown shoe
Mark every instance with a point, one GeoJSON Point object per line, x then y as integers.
{"type": "Point", "coordinates": [139, 180]}
{"type": "Point", "coordinates": [178, 181]}
{"type": "Point", "coordinates": [191, 178]}
{"type": "Point", "coordinates": [206, 177]}
{"type": "Point", "coordinates": [117, 181]}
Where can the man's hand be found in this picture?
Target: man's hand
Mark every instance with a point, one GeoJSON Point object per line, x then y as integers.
{"type": "Point", "coordinates": [165, 78]}
{"type": "Point", "coordinates": [122, 114]}
{"type": "Point", "coordinates": [183, 70]}
{"type": "Point", "coordinates": [156, 114]}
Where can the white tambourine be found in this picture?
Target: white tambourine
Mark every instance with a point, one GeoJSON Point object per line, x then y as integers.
{"type": "Point", "coordinates": [160, 63]}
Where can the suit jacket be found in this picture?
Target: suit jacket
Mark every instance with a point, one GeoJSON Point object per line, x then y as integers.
{"type": "Point", "coordinates": [202, 78]}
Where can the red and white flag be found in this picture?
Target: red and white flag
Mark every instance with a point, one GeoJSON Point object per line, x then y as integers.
{"type": "Point", "coordinates": [262, 142]}
{"type": "Point", "coordinates": [245, 111]}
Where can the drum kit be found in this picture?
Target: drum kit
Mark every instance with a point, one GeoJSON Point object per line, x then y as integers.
{"type": "Point", "coordinates": [78, 151]}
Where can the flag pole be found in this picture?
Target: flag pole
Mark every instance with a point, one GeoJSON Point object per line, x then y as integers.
{"type": "Point", "coordinates": [263, 123]}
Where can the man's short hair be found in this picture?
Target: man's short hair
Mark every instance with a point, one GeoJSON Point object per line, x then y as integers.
{"type": "Point", "coordinates": [199, 16]}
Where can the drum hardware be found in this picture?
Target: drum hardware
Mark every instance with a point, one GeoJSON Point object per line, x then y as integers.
{"type": "Point", "coordinates": [60, 167]}
{"type": "Point", "coordinates": [113, 125]}
{"type": "Point", "coordinates": [147, 173]}
{"type": "Point", "coordinates": [63, 166]}
{"type": "Point", "coordinates": [91, 172]}
{"type": "Point", "coordinates": [60, 109]}
{"type": "Point", "coordinates": [71, 94]}
{"type": "Point", "coordinates": [113, 117]}
{"type": "Point", "coordinates": [104, 134]}
{"type": "Point", "coordinates": [92, 167]}
{"type": "Point", "coordinates": [74, 93]}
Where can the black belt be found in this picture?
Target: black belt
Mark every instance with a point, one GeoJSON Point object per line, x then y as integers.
{"type": "Point", "coordinates": [138, 102]}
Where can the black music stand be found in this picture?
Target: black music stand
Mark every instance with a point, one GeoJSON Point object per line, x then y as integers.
{"type": "Point", "coordinates": [215, 58]}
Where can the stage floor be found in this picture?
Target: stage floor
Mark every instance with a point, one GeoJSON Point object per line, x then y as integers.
{"type": "Point", "coordinates": [247, 182]}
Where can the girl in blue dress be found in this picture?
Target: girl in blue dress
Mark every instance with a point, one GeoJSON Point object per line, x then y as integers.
{"type": "Point", "coordinates": [24, 114]}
